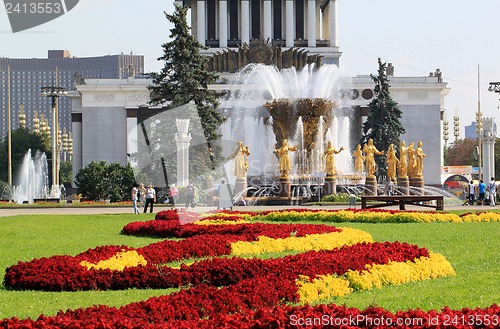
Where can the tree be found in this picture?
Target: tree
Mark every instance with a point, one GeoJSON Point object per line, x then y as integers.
{"type": "Point", "coordinates": [101, 181]}
{"type": "Point", "coordinates": [185, 78]}
{"type": "Point", "coordinates": [383, 123]}
{"type": "Point", "coordinates": [461, 153]}
{"type": "Point", "coordinates": [66, 171]}
{"type": "Point", "coordinates": [22, 140]}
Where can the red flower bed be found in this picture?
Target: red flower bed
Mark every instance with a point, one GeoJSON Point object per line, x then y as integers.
{"type": "Point", "coordinates": [254, 303]}
{"type": "Point", "coordinates": [65, 273]}
{"type": "Point", "coordinates": [173, 229]}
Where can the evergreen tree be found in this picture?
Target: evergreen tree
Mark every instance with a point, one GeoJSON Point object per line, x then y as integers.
{"type": "Point", "coordinates": [382, 124]}
{"type": "Point", "coordinates": [185, 78]}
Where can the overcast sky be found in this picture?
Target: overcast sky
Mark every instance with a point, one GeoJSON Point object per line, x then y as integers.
{"type": "Point", "coordinates": [416, 36]}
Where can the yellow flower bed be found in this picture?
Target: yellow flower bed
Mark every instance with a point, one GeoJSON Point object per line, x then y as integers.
{"type": "Point", "coordinates": [321, 288]}
{"type": "Point", "coordinates": [225, 215]}
{"type": "Point", "coordinates": [395, 273]}
{"type": "Point", "coordinates": [482, 217]}
{"type": "Point", "coordinates": [378, 217]}
{"type": "Point", "coordinates": [328, 241]}
{"type": "Point", "coordinates": [118, 262]}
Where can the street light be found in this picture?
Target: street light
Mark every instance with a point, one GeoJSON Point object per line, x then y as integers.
{"type": "Point", "coordinates": [54, 92]}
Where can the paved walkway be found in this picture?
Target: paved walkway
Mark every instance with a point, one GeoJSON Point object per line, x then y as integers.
{"type": "Point", "coordinates": [124, 210]}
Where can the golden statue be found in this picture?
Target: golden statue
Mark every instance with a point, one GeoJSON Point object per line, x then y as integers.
{"type": "Point", "coordinates": [392, 161]}
{"type": "Point", "coordinates": [402, 167]}
{"type": "Point", "coordinates": [284, 159]}
{"type": "Point", "coordinates": [370, 150]}
{"type": "Point", "coordinates": [420, 155]}
{"type": "Point", "coordinates": [411, 160]}
{"type": "Point", "coordinates": [240, 161]}
{"type": "Point", "coordinates": [358, 159]}
{"type": "Point", "coordinates": [330, 152]}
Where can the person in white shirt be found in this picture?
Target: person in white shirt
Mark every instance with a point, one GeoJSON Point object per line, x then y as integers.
{"type": "Point", "coordinates": [472, 190]}
{"type": "Point", "coordinates": [492, 189]}
{"type": "Point", "coordinates": [150, 198]}
{"type": "Point", "coordinates": [135, 192]}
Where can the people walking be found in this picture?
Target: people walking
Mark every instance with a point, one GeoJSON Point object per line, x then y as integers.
{"type": "Point", "coordinates": [150, 198]}
{"type": "Point", "coordinates": [142, 195]}
{"type": "Point", "coordinates": [482, 192]}
{"type": "Point", "coordinates": [190, 192]}
{"type": "Point", "coordinates": [174, 192]}
{"type": "Point", "coordinates": [492, 190]}
{"type": "Point", "coordinates": [135, 194]}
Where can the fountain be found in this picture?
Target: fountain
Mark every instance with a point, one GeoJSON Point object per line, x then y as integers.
{"type": "Point", "coordinates": [296, 105]}
{"type": "Point", "coordinates": [33, 181]}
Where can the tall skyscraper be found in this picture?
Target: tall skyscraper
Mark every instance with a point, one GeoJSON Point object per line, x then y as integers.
{"type": "Point", "coordinates": [29, 75]}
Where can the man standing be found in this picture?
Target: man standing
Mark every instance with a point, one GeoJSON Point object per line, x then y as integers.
{"type": "Point", "coordinates": [482, 191]}
{"type": "Point", "coordinates": [492, 189]}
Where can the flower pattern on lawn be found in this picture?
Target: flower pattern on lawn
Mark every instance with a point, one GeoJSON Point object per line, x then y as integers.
{"type": "Point", "coordinates": [225, 289]}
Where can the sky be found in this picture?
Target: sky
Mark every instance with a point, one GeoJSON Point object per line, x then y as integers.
{"type": "Point", "coordinates": [418, 37]}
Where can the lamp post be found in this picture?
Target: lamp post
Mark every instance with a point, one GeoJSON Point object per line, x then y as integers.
{"type": "Point", "coordinates": [54, 93]}
{"type": "Point", "coordinates": [456, 128]}
{"type": "Point", "coordinates": [446, 132]}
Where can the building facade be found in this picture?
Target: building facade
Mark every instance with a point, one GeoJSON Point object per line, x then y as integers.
{"type": "Point", "coordinates": [26, 76]}
{"type": "Point", "coordinates": [107, 116]}
{"type": "Point", "coordinates": [308, 24]}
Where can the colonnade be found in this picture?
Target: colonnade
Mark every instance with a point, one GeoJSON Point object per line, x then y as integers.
{"type": "Point", "coordinates": [300, 23]}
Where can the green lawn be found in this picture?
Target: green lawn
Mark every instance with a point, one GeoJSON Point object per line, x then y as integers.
{"type": "Point", "coordinates": [472, 248]}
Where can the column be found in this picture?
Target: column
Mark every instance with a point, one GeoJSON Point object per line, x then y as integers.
{"type": "Point", "coordinates": [76, 128]}
{"type": "Point", "coordinates": [289, 25]}
{"type": "Point", "coordinates": [311, 23]}
{"type": "Point", "coordinates": [488, 149]}
{"type": "Point", "coordinates": [182, 139]}
{"type": "Point", "coordinates": [200, 22]}
{"type": "Point", "coordinates": [245, 21]}
{"type": "Point", "coordinates": [334, 36]}
{"type": "Point", "coordinates": [223, 23]}
{"type": "Point", "coordinates": [268, 20]}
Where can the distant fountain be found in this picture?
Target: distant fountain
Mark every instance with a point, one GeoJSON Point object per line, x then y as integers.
{"type": "Point", "coordinates": [33, 180]}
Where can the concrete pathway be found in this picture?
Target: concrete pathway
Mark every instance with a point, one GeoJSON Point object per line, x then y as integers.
{"type": "Point", "coordinates": [124, 210]}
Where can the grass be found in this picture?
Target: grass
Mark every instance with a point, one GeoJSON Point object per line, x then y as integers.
{"type": "Point", "coordinates": [472, 248]}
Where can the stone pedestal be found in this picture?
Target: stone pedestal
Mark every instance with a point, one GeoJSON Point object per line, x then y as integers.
{"type": "Point", "coordinates": [370, 185]}
{"type": "Point", "coordinates": [285, 187]}
{"type": "Point", "coordinates": [240, 186]}
{"type": "Point", "coordinates": [417, 184]}
{"type": "Point", "coordinates": [330, 185]}
{"type": "Point", "coordinates": [404, 185]}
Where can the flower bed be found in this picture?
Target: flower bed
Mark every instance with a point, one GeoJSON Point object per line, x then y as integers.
{"type": "Point", "coordinates": [231, 291]}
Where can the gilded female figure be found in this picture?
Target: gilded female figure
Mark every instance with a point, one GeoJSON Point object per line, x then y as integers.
{"type": "Point", "coordinates": [411, 160]}
{"type": "Point", "coordinates": [392, 161]}
{"type": "Point", "coordinates": [284, 159]}
{"type": "Point", "coordinates": [330, 152]}
{"type": "Point", "coordinates": [240, 162]}
{"type": "Point", "coordinates": [420, 155]}
{"type": "Point", "coordinates": [358, 159]}
{"type": "Point", "coordinates": [370, 150]}
{"type": "Point", "coordinates": [402, 167]}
